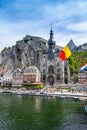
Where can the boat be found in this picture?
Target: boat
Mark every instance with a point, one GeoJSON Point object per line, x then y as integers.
{"type": "Point", "coordinates": [6, 91]}
{"type": "Point", "coordinates": [62, 96]}
{"type": "Point", "coordinates": [76, 98]}
{"type": "Point", "coordinates": [82, 98]}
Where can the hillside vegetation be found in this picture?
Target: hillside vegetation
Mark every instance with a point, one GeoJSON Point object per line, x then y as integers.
{"type": "Point", "coordinates": [76, 60]}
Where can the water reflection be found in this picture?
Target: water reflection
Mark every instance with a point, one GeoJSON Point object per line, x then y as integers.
{"type": "Point", "coordinates": [37, 103]}
{"type": "Point", "coordinates": [41, 113]}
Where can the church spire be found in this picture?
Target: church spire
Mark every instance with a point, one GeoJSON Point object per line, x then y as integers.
{"type": "Point", "coordinates": [51, 32]}
{"type": "Point", "coordinates": [51, 44]}
{"type": "Point", "coordinates": [51, 41]}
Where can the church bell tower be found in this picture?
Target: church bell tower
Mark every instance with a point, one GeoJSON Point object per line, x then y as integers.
{"type": "Point", "coordinates": [51, 44]}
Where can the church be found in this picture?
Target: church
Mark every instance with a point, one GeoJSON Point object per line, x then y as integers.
{"type": "Point", "coordinates": [53, 70]}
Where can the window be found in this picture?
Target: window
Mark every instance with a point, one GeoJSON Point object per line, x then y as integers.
{"type": "Point", "coordinates": [44, 64]}
{"type": "Point", "coordinates": [58, 64]}
{"type": "Point", "coordinates": [58, 71]}
{"type": "Point", "coordinates": [43, 71]}
{"type": "Point", "coordinates": [44, 77]}
{"type": "Point", "coordinates": [58, 77]}
{"type": "Point", "coordinates": [51, 69]}
{"type": "Point", "coordinates": [43, 56]}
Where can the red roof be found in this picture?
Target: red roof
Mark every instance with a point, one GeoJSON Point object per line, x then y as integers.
{"type": "Point", "coordinates": [35, 83]}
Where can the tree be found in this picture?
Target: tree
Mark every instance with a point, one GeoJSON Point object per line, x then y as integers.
{"type": "Point", "coordinates": [76, 60]}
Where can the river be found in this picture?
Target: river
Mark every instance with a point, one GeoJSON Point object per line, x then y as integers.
{"type": "Point", "coordinates": [41, 113]}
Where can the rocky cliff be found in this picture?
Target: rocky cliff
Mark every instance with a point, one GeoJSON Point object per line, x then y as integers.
{"type": "Point", "coordinates": [26, 52]}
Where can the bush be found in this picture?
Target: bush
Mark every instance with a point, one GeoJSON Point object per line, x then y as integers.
{"type": "Point", "coordinates": [26, 40]}
{"type": "Point", "coordinates": [40, 86]}
{"type": "Point", "coordinates": [6, 48]}
{"type": "Point", "coordinates": [76, 60]}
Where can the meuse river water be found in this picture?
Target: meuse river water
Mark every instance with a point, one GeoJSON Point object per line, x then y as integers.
{"type": "Point", "coordinates": [41, 113]}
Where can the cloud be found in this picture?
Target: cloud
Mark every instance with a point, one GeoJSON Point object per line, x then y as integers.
{"type": "Point", "coordinates": [80, 27]}
{"type": "Point", "coordinates": [22, 17]}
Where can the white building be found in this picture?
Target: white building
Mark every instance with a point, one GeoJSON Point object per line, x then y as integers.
{"type": "Point", "coordinates": [7, 78]}
{"type": "Point", "coordinates": [17, 78]}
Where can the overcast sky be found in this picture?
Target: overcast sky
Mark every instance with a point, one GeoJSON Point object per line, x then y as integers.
{"type": "Point", "coordinates": [34, 17]}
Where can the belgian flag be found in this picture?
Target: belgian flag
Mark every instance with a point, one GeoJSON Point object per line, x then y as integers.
{"type": "Point", "coordinates": [67, 51]}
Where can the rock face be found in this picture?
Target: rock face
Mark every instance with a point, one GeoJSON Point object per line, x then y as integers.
{"type": "Point", "coordinates": [26, 52]}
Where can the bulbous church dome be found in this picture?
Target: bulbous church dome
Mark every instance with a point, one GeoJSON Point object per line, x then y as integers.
{"type": "Point", "coordinates": [32, 69]}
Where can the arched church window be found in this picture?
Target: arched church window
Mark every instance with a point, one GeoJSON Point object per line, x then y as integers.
{"type": "Point", "coordinates": [58, 64]}
{"type": "Point", "coordinates": [44, 65]}
{"type": "Point", "coordinates": [51, 69]}
{"type": "Point", "coordinates": [43, 71]}
{"type": "Point", "coordinates": [58, 77]}
{"type": "Point", "coordinates": [65, 70]}
{"type": "Point", "coordinates": [58, 71]}
{"type": "Point", "coordinates": [43, 56]}
{"type": "Point", "coordinates": [44, 77]}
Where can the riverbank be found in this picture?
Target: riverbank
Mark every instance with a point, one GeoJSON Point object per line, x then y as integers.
{"type": "Point", "coordinates": [62, 94]}
{"type": "Point", "coordinates": [76, 95]}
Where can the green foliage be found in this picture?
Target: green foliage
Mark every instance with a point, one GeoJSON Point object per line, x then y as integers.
{"type": "Point", "coordinates": [26, 40]}
{"type": "Point", "coordinates": [31, 38]}
{"type": "Point", "coordinates": [43, 42]}
{"type": "Point", "coordinates": [40, 86]}
{"type": "Point", "coordinates": [6, 48]}
{"type": "Point", "coordinates": [76, 61]}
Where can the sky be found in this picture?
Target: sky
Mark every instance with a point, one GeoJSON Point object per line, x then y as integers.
{"type": "Point", "coordinates": [19, 18]}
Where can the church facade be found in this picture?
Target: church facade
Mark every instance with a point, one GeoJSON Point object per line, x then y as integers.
{"type": "Point", "coordinates": [53, 70]}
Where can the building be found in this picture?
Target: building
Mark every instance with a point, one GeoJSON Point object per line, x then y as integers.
{"type": "Point", "coordinates": [82, 47]}
{"type": "Point", "coordinates": [1, 80]}
{"type": "Point", "coordinates": [17, 78]}
{"type": "Point", "coordinates": [49, 69]}
{"type": "Point", "coordinates": [53, 70]}
{"type": "Point", "coordinates": [7, 78]}
{"type": "Point", "coordinates": [31, 76]}
{"type": "Point", "coordinates": [82, 77]}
